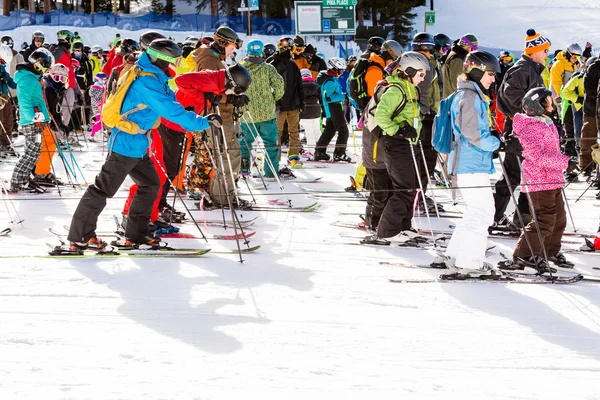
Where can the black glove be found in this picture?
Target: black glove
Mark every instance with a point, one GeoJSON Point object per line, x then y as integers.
{"type": "Point", "coordinates": [408, 132]}
{"type": "Point", "coordinates": [580, 100]}
{"type": "Point", "coordinates": [215, 120]}
{"type": "Point", "coordinates": [238, 100]}
{"type": "Point", "coordinates": [302, 108]}
{"type": "Point", "coordinates": [572, 168]}
{"type": "Point", "coordinates": [430, 116]}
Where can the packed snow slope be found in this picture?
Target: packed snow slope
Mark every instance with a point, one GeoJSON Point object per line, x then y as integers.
{"type": "Point", "coordinates": [502, 23]}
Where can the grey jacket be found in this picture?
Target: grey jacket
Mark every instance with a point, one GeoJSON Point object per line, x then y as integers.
{"type": "Point", "coordinates": [429, 90]}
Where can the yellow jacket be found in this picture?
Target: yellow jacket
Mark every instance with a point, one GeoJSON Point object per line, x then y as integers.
{"type": "Point", "coordinates": [573, 90]}
{"type": "Point", "coordinates": [560, 73]}
{"type": "Point", "coordinates": [97, 63]}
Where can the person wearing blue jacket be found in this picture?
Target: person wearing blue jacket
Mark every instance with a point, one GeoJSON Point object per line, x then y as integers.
{"type": "Point", "coordinates": [333, 99]}
{"type": "Point", "coordinates": [471, 163]}
{"type": "Point", "coordinates": [33, 115]}
{"type": "Point", "coordinates": [128, 153]}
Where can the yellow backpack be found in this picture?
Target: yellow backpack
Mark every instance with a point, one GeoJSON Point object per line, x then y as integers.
{"type": "Point", "coordinates": [111, 111]}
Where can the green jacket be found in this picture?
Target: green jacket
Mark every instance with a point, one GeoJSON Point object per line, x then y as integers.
{"type": "Point", "coordinates": [573, 90]}
{"type": "Point", "coordinates": [406, 97]}
{"type": "Point", "coordinates": [267, 87]}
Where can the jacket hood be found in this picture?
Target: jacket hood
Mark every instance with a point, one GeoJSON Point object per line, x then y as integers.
{"type": "Point", "coordinates": [27, 67]}
{"type": "Point", "coordinates": [202, 53]}
{"type": "Point", "coordinates": [466, 84]}
{"type": "Point", "coordinates": [322, 77]}
{"type": "Point", "coordinates": [254, 60]}
{"type": "Point", "coordinates": [562, 56]}
{"type": "Point", "coordinates": [146, 65]}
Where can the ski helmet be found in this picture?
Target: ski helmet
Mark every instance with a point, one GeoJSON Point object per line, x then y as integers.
{"type": "Point", "coordinates": [6, 53]}
{"type": "Point", "coordinates": [442, 42]}
{"type": "Point", "coordinates": [285, 44]}
{"type": "Point", "coordinates": [352, 59]}
{"type": "Point", "coordinates": [37, 35]}
{"type": "Point", "coordinates": [411, 62]}
{"type": "Point", "coordinates": [24, 45]}
{"type": "Point", "coordinates": [191, 38]}
{"type": "Point", "coordinates": [533, 101]}
{"type": "Point", "coordinates": [41, 59]}
{"type": "Point", "coordinates": [148, 37]}
{"type": "Point", "coordinates": [187, 47]}
{"type": "Point", "coordinates": [422, 41]}
{"type": "Point", "coordinates": [163, 52]}
{"type": "Point", "coordinates": [237, 78]}
{"type": "Point", "coordinates": [506, 58]}
{"type": "Point", "coordinates": [7, 40]}
{"type": "Point", "coordinates": [393, 48]}
{"type": "Point", "coordinates": [64, 35]}
{"type": "Point", "coordinates": [478, 62]}
{"type": "Point", "coordinates": [574, 49]}
{"type": "Point", "coordinates": [224, 35]}
{"type": "Point", "coordinates": [374, 44]}
{"type": "Point", "coordinates": [101, 78]}
{"type": "Point", "coordinates": [269, 49]}
{"type": "Point", "coordinates": [58, 73]}
{"type": "Point", "coordinates": [469, 40]}
{"type": "Point", "coordinates": [337, 64]}
{"type": "Point", "coordinates": [129, 46]}
{"type": "Point", "coordinates": [255, 48]}
{"type": "Point", "coordinates": [96, 49]}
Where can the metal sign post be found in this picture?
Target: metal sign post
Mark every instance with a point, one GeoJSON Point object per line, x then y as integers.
{"type": "Point", "coordinates": [252, 5]}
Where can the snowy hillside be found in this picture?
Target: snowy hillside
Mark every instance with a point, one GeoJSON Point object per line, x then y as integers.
{"type": "Point", "coordinates": [502, 23]}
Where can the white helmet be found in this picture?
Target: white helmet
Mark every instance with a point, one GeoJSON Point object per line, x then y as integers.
{"type": "Point", "coordinates": [59, 73]}
{"type": "Point", "coordinates": [411, 61]}
{"type": "Point", "coordinates": [337, 63]}
{"type": "Point", "coordinates": [574, 49]}
{"type": "Point", "coordinates": [96, 49]}
{"type": "Point", "coordinates": [6, 53]}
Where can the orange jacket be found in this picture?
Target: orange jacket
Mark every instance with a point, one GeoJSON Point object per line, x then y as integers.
{"type": "Point", "coordinates": [374, 74]}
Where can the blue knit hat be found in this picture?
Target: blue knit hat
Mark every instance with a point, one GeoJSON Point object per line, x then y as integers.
{"type": "Point", "coordinates": [255, 48]}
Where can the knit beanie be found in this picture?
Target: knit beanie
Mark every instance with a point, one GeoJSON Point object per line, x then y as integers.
{"type": "Point", "coordinates": [305, 73]}
{"type": "Point", "coordinates": [535, 42]}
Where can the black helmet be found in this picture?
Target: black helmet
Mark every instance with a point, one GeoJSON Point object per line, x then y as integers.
{"type": "Point", "coordinates": [163, 52]}
{"type": "Point", "coordinates": [225, 35]}
{"type": "Point", "coordinates": [187, 47]}
{"type": "Point", "coordinates": [422, 41]}
{"type": "Point", "coordinates": [532, 102]}
{"type": "Point", "coordinates": [393, 48]}
{"type": "Point", "coordinates": [7, 40]}
{"type": "Point", "coordinates": [64, 35]}
{"type": "Point", "coordinates": [442, 42]}
{"type": "Point", "coordinates": [482, 61]}
{"type": "Point", "coordinates": [87, 49]}
{"type": "Point", "coordinates": [374, 44]}
{"type": "Point", "coordinates": [269, 49]}
{"type": "Point", "coordinates": [41, 59]}
{"type": "Point", "coordinates": [237, 78]}
{"type": "Point", "coordinates": [148, 37]}
{"type": "Point", "coordinates": [129, 46]}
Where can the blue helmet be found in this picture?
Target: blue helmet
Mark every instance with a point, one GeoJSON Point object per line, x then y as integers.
{"type": "Point", "coordinates": [255, 48]}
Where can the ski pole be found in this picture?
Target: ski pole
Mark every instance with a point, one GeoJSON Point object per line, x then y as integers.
{"type": "Point", "coordinates": [437, 212]}
{"type": "Point", "coordinates": [414, 157]}
{"type": "Point", "coordinates": [569, 209]}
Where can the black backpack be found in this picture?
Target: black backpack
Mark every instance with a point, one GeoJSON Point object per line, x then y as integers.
{"type": "Point", "coordinates": [357, 87]}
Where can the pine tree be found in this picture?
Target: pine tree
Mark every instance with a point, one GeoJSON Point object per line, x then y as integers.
{"type": "Point", "coordinates": [398, 14]}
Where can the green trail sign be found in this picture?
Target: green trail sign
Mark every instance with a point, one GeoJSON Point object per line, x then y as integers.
{"type": "Point", "coordinates": [430, 18]}
{"type": "Point", "coordinates": [339, 3]}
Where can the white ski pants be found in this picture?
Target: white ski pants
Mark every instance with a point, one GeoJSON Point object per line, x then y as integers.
{"type": "Point", "coordinates": [312, 130]}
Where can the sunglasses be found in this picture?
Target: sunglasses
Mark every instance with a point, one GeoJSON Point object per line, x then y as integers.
{"type": "Point", "coordinates": [38, 40]}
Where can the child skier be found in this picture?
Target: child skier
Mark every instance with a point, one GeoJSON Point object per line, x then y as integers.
{"type": "Point", "coordinates": [310, 117]}
{"type": "Point", "coordinates": [96, 96]}
{"type": "Point", "coordinates": [333, 102]}
{"type": "Point", "coordinates": [543, 179]}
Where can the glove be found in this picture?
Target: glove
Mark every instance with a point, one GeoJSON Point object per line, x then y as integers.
{"type": "Point", "coordinates": [39, 117]}
{"type": "Point", "coordinates": [430, 116]}
{"type": "Point", "coordinates": [215, 120]}
{"type": "Point", "coordinates": [572, 168]}
{"type": "Point", "coordinates": [580, 100]}
{"type": "Point", "coordinates": [408, 132]}
{"type": "Point", "coordinates": [302, 108]}
{"type": "Point", "coordinates": [239, 100]}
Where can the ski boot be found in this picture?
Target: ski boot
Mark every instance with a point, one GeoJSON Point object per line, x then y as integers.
{"type": "Point", "coordinates": [321, 156]}
{"type": "Point", "coordinates": [93, 243]}
{"type": "Point", "coordinates": [442, 261]}
{"type": "Point", "coordinates": [152, 241]}
{"type": "Point", "coordinates": [294, 162]}
{"type": "Point", "coordinates": [342, 158]}
{"type": "Point", "coordinates": [504, 225]}
{"type": "Point", "coordinates": [536, 262]}
{"type": "Point", "coordinates": [286, 174]}
{"type": "Point", "coordinates": [561, 261]}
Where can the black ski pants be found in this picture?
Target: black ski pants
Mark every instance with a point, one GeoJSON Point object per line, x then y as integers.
{"type": "Point", "coordinates": [569, 145]}
{"type": "Point", "coordinates": [425, 137]}
{"type": "Point", "coordinates": [379, 183]}
{"type": "Point", "coordinates": [335, 123]}
{"type": "Point", "coordinates": [173, 146]}
{"type": "Point", "coordinates": [398, 212]}
{"type": "Point", "coordinates": [512, 160]}
{"type": "Point", "coordinates": [107, 183]}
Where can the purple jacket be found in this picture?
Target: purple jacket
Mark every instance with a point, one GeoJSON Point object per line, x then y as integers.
{"type": "Point", "coordinates": [543, 163]}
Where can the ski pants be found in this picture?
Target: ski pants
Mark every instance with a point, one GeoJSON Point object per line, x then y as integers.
{"type": "Point", "coordinates": [293, 122]}
{"type": "Point", "coordinates": [569, 146]}
{"type": "Point", "coordinates": [173, 149]}
{"type": "Point", "coordinates": [549, 209]}
{"type": "Point", "coordinates": [511, 162]}
{"type": "Point", "coordinates": [107, 183]}
{"type": "Point", "coordinates": [469, 239]}
{"type": "Point", "coordinates": [312, 131]}
{"type": "Point", "coordinates": [589, 137]}
{"type": "Point", "coordinates": [66, 106]}
{"type": "Point", "coordinates": [400, 165]}
{"type": "Point", "coordinates": [33, 146]}
{"type": "Point", "coordinates": [577, 123]}
{"type": "Point", "coordinates": [217, 192]}
{"type": "Point", "coordinates": [269, 135]}
{"type": "Point", "coordinates": [157, 158]}
{"type": "Point", "coordinates": [430, 154]}
{"type": "Point", "coordinates": [335, 123]}
{"type": "Point", "coordinates": [7, 120]}
{"type": "Point", "coordinates": [379, 183]}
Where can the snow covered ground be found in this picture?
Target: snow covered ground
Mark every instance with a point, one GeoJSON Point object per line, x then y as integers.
{"type": "Point", "coordinates": [310, 314]}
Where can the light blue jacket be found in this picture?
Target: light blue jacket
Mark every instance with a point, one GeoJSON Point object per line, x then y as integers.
{"type": "Point", "coordinates": [160, 99]}
{"type": "Point", "coordinates": [29, 92]}
{"type": "Point", "coordinates": [331, 91]}
{"type": "Point", "coordinates": [471, 123]}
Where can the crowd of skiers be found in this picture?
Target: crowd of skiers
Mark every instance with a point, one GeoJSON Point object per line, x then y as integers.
{"type": "Point", "coordinates": [156, 100]}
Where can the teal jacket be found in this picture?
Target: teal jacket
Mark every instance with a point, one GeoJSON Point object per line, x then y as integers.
{"type": "Point", "coordinates": [5, 80]}
{"type": "Point", "coordinates": [29, 92]}
{"type": "Point", "coordinates": [331, 91]}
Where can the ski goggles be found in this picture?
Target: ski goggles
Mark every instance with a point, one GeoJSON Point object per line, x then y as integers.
{"type": "Point", "coordinates": [466, 41]}
{"type": "Point", "coordinates": [507, 59]}
{"type": "Point", "coordinates": [60, 78]}
{"type": "Point", "coordinates": [164, 57]}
